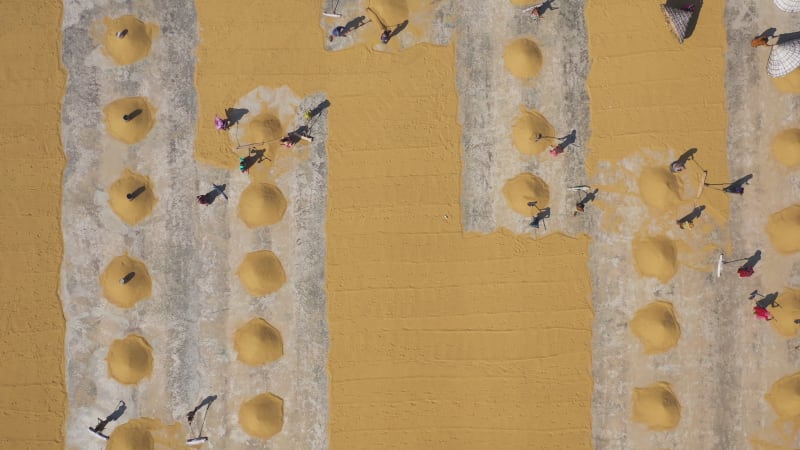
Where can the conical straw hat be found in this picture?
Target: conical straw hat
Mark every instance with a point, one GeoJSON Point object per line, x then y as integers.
{"type": "Point", "coordinates": [678, 20]}
{"type": "Point", "coordinates": [791, 6]}
{"type": "Point", "coordinates": [783, 59]}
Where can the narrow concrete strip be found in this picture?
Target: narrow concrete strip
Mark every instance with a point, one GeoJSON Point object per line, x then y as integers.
{"type": "Point", "coordinates": [490, 100]}
{"type": "Point", "coordinates": [93, 235]}
{"type": "Point", "coordinates": [757, 112]}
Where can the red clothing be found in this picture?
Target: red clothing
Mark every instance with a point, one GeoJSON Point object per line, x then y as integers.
{"type": "Point", "coordinates": [745, 272]}
{"type": "Point", "coordinates": [762, 313]}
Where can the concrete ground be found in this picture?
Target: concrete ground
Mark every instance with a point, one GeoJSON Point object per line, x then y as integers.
{"type": "Point", "coordinates": [490, 99]}
{"type": "Point", "coordinates": [191, 251]}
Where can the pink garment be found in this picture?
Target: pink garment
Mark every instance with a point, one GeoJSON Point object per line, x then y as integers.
{"type": "Point", "coordinates": [762, 313]}
{"type": "Point", "coordinates": [219, 123]}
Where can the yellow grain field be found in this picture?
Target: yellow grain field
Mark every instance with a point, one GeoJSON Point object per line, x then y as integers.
{"type": "Point", "coordinates": [32, 386]}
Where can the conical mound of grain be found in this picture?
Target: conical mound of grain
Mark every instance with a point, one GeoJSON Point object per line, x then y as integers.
{"type": "Point", "coordinates": [265, 127]}
{"type": "Point", "coordinates": [130, 359]}
{"type": "Point", "coordinates": [261, 273]}
{"type": "Point", "coordinates": [656, 257]}
{"type": "Point", "coordinates": [659, 188]}
{"type": "Point", "coordinates": [262, 415]}
{"type": "Point", "coordinates": [785, 315]}
{"type": "Point", "coordinates": [392, 12]}
{"type": "Point", "coordinates": [261, 204]}
{"type": "Point", "coordinates": [144, 433]}
{"type": "Point", "coordinates": [523, 58]}
{"type": "Point", "coordinates": [526, 129]}
{"type": "Point", "coordinates": [523, 189]}
{"type": "Point", "coordinates": [257, 343]}
{"type": "Point", "coordinates": [134, 210]}
{"type": "Point", "coordinates": [784, 397]}
{"type": "Point", "coordinates": [137, 287]}
{"type": "Point", "coordinates": [783, 228]}
{"type": "Point", "coordinates": [135, 44]}
{"type": "Point", "coordinates": [133, 435]}
{"type": "Point", "coordinates": [133, 130]}
{"type": "Point", "coordinates": [656, 327]}
{"type": "Point", "coordinates": [656, 406]}
{"type": "Point", "coordinates": [786, 147]}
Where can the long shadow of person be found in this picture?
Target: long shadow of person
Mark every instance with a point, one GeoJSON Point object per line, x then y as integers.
{"type": "Point", "coordinates": [234, 115]}
{"type": "Point", "coordinates": [132, 195]}
{"type": "Point", "coordinates": [768, 300]}
{"type": "Point", "coordinates": [398, 29]}
{"type": "Point", "coordinates": [680, 163]}
{"type": "Point", "coordinates": [121, 407]}
{"type": "Point", "coordinates": [565, 142]}
{"type": "Point", "coordinates": [355, 24]}
{"type": "Point", "coordinates": [317, 110]}
{"type": "Point", "coordinates": [687, 155]}
{"type": "Point", "coordinates": [786, 37]}
{"type": "Point", "coordinates": [255, 157]}
{"type": "Point", "coordinates": [690, 218]}
{"type": "Point", "coordinates": [102, 423]}
{"type": "Point", "coordinates": [752, 261]}
{"type": "Point", "coordinates": [588, 198]}
{"type": "Point", "coordinates": [695, 214]}
{"type": "Point", "coordinates": [303, 132]}
{"type": "Point", "coordinates": [544, 7]}
{"type": "Point", "coordinates": [209, 197]}
{"type": "Point", "coordinates": [737, 187]}
{"type": "Point", "coordinates": [132, 115]}
{"type": "Point", "coordinates": [764, 37]}
{"type": "Point", "coordinates": [569, 139]}
{"type": "Point", "coordinates": [540, 216]}
{"type": "Point", "coordinates": [206, 402]}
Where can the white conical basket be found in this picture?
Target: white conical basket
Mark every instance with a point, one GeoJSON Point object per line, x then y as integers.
{"type": "Point", "coordinates": [791, 6]}
{"type": "Point", "coordinates": [783, 59]}
{"type": "Point", "coordinates": [678, 20]}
